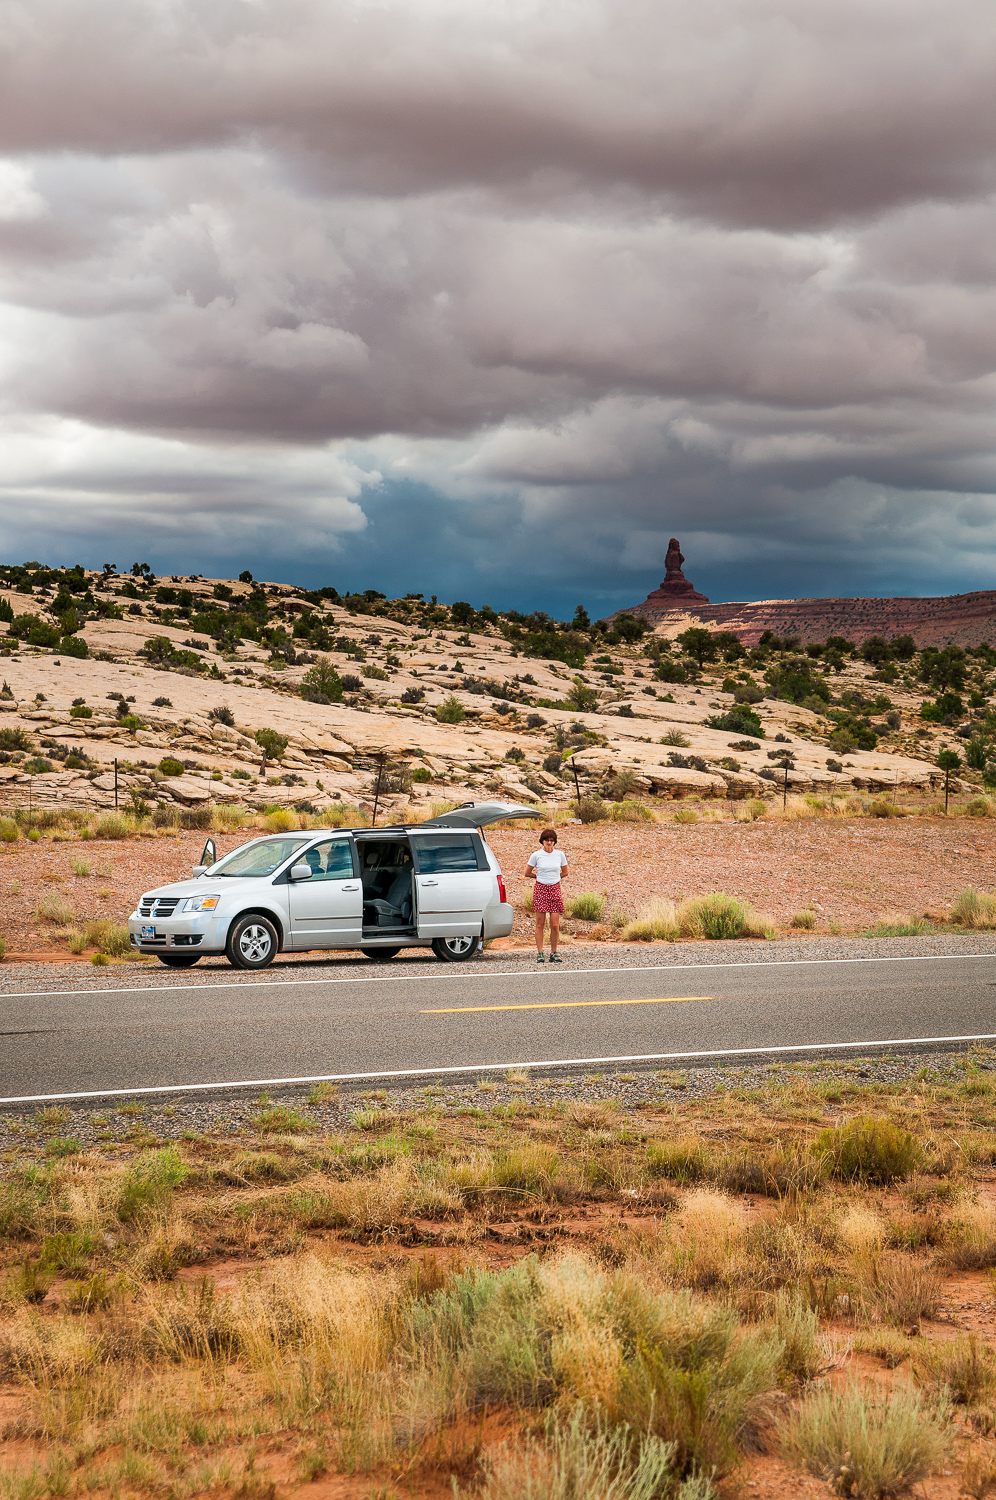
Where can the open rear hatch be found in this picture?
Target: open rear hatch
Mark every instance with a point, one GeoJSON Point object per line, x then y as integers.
{"type": "Point", "coordinates": [479, 815]}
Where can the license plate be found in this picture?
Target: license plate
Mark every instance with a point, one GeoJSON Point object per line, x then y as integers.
{"type": "Point", "coordinates": [148, 932]}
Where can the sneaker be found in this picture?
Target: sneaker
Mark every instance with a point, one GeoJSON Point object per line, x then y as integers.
{"type": "Point", "coordinates": [555, 958]}
{"type": "Point", "coordinates": [540, 959]}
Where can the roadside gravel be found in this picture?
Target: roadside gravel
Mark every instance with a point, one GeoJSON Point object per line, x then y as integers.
{"type": "Point", "coordinates": [31, 978]}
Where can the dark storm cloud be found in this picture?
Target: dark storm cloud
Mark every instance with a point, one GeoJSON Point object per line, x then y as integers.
{"type": "Point", "coordinates": [547, 282]}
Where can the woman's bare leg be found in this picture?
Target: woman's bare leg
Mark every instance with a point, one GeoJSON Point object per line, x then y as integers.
{"type": "Point", "coordinates": [540, 924]}
{"type": "Point", "coordinates": [554, 930]}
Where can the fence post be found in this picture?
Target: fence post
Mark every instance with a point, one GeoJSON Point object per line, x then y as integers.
{"type": "Point", "coordinates": [576, 786]}
{"type": "Point", "coordinates": [115, 781]}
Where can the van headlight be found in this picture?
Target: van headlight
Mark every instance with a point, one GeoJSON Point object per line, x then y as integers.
{"type": "Point", "coordinates": [200, 903]}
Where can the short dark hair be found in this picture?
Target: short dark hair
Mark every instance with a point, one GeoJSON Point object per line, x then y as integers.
{"type": "Point", "coordinates": [548, 833]}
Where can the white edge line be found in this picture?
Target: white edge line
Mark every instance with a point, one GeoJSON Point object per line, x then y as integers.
{"type": "Point", "coordinates": [569, 1062]}
{"type": "Point", "coordinates": [758, 963]}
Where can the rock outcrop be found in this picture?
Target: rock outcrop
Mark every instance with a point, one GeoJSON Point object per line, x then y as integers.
{"type": "Point", "coordinates": [675, 592]}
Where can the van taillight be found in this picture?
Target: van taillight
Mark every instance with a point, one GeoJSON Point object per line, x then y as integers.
{"type": "Point", "coordinates": [501, 890]}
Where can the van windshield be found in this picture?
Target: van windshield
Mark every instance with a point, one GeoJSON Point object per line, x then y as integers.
{"type": "Point", "coordinates": [259, 859]}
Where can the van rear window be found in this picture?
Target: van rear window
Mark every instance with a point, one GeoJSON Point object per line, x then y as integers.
{"type": "Point", "coordinates": [438, 854]}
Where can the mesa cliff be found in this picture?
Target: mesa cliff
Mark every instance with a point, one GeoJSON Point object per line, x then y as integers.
{"type": "Point", "coordinates": [954, 619]}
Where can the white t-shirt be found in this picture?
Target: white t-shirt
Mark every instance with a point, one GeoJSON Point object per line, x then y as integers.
{"type": "Point", "coordinates": [547, 866]}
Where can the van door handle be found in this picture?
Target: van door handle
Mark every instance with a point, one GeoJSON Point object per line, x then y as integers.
{"type": "Point", "coordinates": [350, 887]}
{"type": "Point", "coordinates": [430, 882]}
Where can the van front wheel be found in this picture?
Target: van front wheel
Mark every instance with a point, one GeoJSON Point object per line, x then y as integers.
{"type": "Point", "coordinates": [456, 950]}
{"type": "Point", "coordinates": [380, 955]}
{"type": "Point", "coordinates": [252, 942]}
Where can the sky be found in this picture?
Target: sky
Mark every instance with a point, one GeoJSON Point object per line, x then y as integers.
{"type": "Point", "coordinates": [489, 300]}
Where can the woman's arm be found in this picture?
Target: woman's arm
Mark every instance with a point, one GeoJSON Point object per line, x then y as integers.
{"type": "Point", "coordinates": [529, 873]}
{"type": "Point", "coordinates": [565, 870]}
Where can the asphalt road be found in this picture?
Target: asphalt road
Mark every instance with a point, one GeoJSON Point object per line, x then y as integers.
{"type": "Point", "coordinates": [296, 1027]}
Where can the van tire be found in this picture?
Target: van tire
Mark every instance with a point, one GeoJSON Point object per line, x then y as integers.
{"type": "Point", "coordinates": [178, 960]}
{"type": "Point", "coordinates": [252, 942]}
{"type": "Point", "coordinates": [456, 950]}
{"type": "Point", "coordinates": [380, 955]}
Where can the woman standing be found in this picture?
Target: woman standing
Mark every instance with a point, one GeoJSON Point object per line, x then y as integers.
{"type": "Point", "coordinates": [547, 867]}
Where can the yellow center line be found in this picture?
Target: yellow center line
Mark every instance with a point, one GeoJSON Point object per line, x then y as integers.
{"type": "Point", "coordinates": [449, 1010]}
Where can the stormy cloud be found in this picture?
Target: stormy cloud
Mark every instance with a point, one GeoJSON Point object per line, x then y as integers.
{"type": "Point", "coordinates": [491, 300]}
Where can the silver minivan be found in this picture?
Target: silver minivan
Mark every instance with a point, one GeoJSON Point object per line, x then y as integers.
{"type": "Point", "coordinates": [378, 890]}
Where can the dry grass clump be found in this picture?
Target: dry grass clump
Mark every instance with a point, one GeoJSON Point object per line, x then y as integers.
{"type": "Point", "coordinates": [804, 920]}
{"type": "Point", "coordinates": [586, 906]}
{"type": "Point", "coordinates": [575, 1457]}
{"type": "Point", "coordinates": [901, 924]}
{"type": "Point", "coordinates": [715, 916]}
{"type": "Point", "coordinates": [865, 1447]}
{"type": "Point", "coordinates": [868, 1149]}
{"type": "Point", "coordinates": [110, 938]}
{"type": "Point", "coordinates": [53, 907]}
{"type": "Point", "coordinates": [974, 909]}
{"type": "Point", "coordinates": [113, 825]}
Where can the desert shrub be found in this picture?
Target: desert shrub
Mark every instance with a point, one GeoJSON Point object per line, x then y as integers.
{"type": "Point", "coordinates": [74, 645]}
{"type": "Point", "coordinates": [81, 711]}
{"type": "Point", "coordinates": [718, 915]}
{"type": "Point", "coordinates": [149, 1182]}
{"type": "Point", "coordinates": [526, 904]}
{"type": "Point", "coordinates": [574, 1459]}
{"type": "Point", "coordinates": [3, 947]}
{"type": "Point", "coordinates": [56, 909]}
{"type": "Point", "coordinates": [14, 739]}
{"type": "Point", "coordinates": [111, 939]}
{"type": "Point", "coordinates": [195, 817]}
{"type": "Point", "coordinates": [451, 710]}
{"type": "Point", "coordinates": [868, 1149]}
{"type": "Point", "coordinates": [686, 815]}
{"type": "Point", "coordinates": [587, 906]}
{"type": "Point", "coordinates": [904, 1290]}
{"type": "Point", "coordinates": [981, 807]}
{"type": "Point", "coordinates": [166, 815]}
{"type": "Point", "coordinates": [321, 683]}
{"type": "Point", "coordinates": [9, 831]}
{"type": "Point", "coordinates": [866, 1447]}
{"type": "Point", "coordinates": [631, 812]}
{"type": "Point", "coordinates": [880, 808]}
{"type": "Point", "coordinates": [805, 920]}
{"type": "Point", "coordinates": [421, 774]}
{"type": "Point", "coordinates": [737, 721]}
{"type": "Point", "coordinates": [974, 909]}
{"type": "Point", "coordinates": [592, 810]}
{"type": "Point", "coordinates": [657, 920]}
{"type": "Point", "coordinates": [281, 821]}
{"type": "Point", "coordinates": [900, 924]}
{"type": "Point", "coordinates": [963, 1369]}
{"type": "Point", "coordinates": [675, 737]}
{"type": "Point", "coordinates": [678, 1160]}
{"type": "Point", "coordinates": [111, 825]}
{"type": "Point", "coordinates": [222, 715]}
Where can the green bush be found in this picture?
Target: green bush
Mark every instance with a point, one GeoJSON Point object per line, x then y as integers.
{"type": "Point", "coordinates": [74, 645]}
{"type": "Point", "coordinates": [587, 906]}
{"type": "Point", "coordinates": [14, 739]}
{"type": "Point", "coordinates": [592, 810]}
{"type": "Point", "coordinates": [678, 1161]}
{"type": "Point", "coordinates": [150, 1181]}
{"type": "Point", "coordinates": [80, 711]}
{"type": "Point", "coordinates": [321, 683]}
{"type": "Point", "coordinates": [421, 774]}
{"type": "Point", "coordinates": [631, 811]}
{"type": "Point", "coordinates": [737, 721]}
{"type": "Point", "coordinates": [582, 697]}
{"type": "Point", "coordinates": [9, 831]}
{"type": "Point", "coordinates": [451, 710]}
{"type": "Point", "coordinates": [170, 766]}
{"type": "Point", "coordinates": [111, 825]}
{"type": "Point", "coordinates": [974, 909]}
{"type": "Point", "coordinates": [868, 1149]}
{"type": "Point", "coordinates": [722, 916]}
{"type": "Point", "coordinates": [111, 939]}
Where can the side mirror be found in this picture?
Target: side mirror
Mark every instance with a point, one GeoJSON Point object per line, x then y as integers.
{"type": "Point", "coordinates": [209, 854]}
{"type": "Point", "coordinates": [197, 871]}
{"type": "Point", "coordinates": [301, 872]}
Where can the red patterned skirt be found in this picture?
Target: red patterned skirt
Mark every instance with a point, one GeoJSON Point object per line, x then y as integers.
{"type": "Point", "coordinates": [547, 898]}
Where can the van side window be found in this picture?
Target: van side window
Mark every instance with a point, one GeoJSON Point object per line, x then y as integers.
{"type": "Point", "coordinates": [438, 855]}
{"type": "Point", "coordinates": [330, 861]}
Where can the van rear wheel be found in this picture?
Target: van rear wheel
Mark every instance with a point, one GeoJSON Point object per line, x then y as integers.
{"type": "Point", "coordinates": [380, 955]}
{"type": "Point", "coordinates": [455, 950]}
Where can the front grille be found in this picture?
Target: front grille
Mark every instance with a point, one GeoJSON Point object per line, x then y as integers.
{"type": "Point", "coordinates": [162, 906]}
